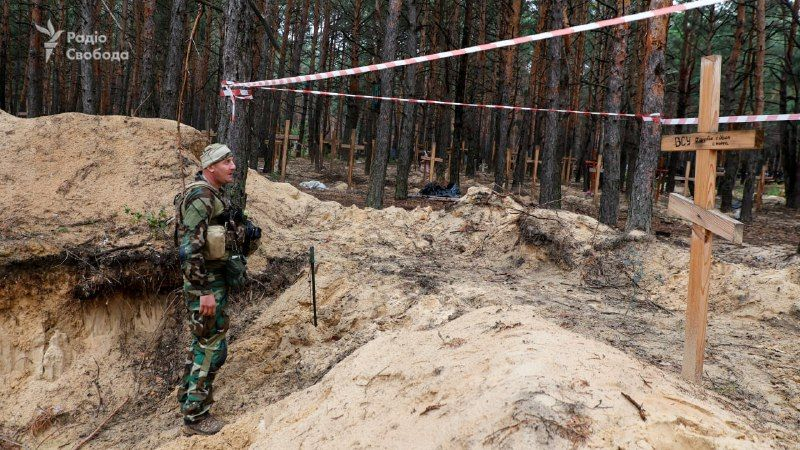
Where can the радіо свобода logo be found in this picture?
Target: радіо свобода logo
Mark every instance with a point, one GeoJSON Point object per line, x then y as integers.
{"type": "Point", "coordinates": [53, 34]}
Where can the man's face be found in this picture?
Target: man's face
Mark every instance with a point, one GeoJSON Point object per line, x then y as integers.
{"type": "Point", "coordinates": [223, 170]}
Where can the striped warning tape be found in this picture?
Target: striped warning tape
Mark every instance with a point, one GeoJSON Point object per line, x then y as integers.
{"type": "Point", "coordinates": [646, 118]}
{"type": "Point", "coordinates": [469, 105]}
{"type": "Point", "coordinates": [737, 119]}
{"type": "Point", "coordinates": [241, 94]}
{"type": "Point", "coordinates": [481, 48]}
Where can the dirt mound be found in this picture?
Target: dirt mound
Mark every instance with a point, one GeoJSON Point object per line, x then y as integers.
{"type": "Point", "coordinates": [528, 304]}
{"type": "Point", "coordinates": [496, 377]}
{"type": "Point", "coordinates": [72, 179]}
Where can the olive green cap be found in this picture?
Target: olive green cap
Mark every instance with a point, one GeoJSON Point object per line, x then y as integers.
{"type": "Point", "coordinates": [213, 154]}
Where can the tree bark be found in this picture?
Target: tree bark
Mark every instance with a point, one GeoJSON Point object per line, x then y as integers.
{"type": "Point", "coordinates": [146, 106]}
{"type": "Point", "coordinates": [406, 147]}
{"type": "Point", "coordinates": [729, 98]}
{"type": "Point", "coordinates": [317, 118]}
{"type": "Point", "coordinates": [511, 14]}
{"type": "Point", "coordinates": [35, 85]}
{"type": "Point", "coordinates": [173, 65]}
{"type": "Point", "coordinates": [351, 120]}
{"type": "Point", "coordinates": [640, 211]}
{"type": "Point", "coordinates": [5, 35]}
{"type": "Point", "coordinates": [461, 85]}
{"type": "Point", "coordinates": [788, 130]}
{"type": "Point", "coordinates": [236, 65]}
{"type": "Point", "coordinates": [274, 114]}
{"type": "Point", "coordinates": [381, 157]}
{"type": "Point", "coordinates": [550, 188]}
{"type": "Point", "coordinates": [297, 53]}
{"type": "Point", "coordinates": [754, 159]}
{"type": "Point", "coordinates": [609, 201]}
{"type": "Point", "coordinates": [88, 99]}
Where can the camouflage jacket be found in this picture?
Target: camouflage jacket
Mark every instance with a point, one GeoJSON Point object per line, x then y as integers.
{"type": "Point", "coordinates": [202, 206]}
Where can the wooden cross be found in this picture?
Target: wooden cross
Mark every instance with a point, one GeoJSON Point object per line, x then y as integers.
{"type": "Point", "coordinates": [706, 221]}
{"type": "Point", "coordinates": [285, 149]}
{"type": "Point", "coordinates": [597, 170]}
{"type": "Point", "coordinates": [432, 162]}
{"type": "Point", "coordinates": [535, 161]}
{"type": "Point", "coordinates": [351, 148]}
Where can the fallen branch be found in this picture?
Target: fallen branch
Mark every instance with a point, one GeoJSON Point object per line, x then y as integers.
{"type": "Point", "coordinates": [5, 439]}
{"type": "Point", "coordinates": [639, 407]}
{"type": "Point", "coordinates": [100, 427]}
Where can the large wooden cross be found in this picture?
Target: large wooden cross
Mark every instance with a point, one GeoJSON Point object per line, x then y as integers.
{"type": "Point", "coordinates": [705, 219]}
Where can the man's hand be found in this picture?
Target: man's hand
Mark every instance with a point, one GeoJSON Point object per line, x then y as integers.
{"type": "Point", "coordinates": [208, 305]}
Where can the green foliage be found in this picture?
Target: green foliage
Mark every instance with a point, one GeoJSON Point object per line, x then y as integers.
{"type": "Point", "coordinates": [154, 220]}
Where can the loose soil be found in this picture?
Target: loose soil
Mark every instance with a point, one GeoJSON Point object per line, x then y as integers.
{"type": "Point", "coordinates": [484, 322]}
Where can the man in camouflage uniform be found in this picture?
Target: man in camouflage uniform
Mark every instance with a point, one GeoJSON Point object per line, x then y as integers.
{"type": "Point", "coordinates": [203, 205]}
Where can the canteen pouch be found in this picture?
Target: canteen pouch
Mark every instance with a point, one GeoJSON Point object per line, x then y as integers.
{"type": "Point", "coordinates": [215, 243]}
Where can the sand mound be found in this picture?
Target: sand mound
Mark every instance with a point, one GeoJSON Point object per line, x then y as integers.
{"type": "Point", "coordinates": [70, 178]}
{"type": "Point", "coordinates": [496, 377]}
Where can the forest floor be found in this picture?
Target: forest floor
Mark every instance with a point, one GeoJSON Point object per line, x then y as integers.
{"type": "Point", "coordinates": [484, 322]}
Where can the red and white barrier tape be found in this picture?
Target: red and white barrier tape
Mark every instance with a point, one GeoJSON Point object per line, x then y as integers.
{"type": "Point", "coordinates": [483, 47]}
{"type": "Point", "coordinates": [645, 118]}
{"type": "Point", "coordinates": [241, 94]}
{"type": "Point", "coordinates": [470, 105]}
{"type": "Point", "coordinates": [737, 119]}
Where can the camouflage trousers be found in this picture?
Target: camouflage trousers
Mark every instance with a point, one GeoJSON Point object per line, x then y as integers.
{"type": "Point", "coordinates": [206, 352]}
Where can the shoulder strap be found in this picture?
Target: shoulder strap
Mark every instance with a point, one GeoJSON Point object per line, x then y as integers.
{"type": "Point", "coordinates": [184, 195]}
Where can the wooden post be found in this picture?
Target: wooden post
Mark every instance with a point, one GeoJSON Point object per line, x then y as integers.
{"type": "Point", "coordinates": [449, 160]}
{"type": "Point", "coordinates": [350, 158]}
{"type": "Point", "coordinates": [508, 168]}
{"type": "Point", "coordinates": [321, 147]}
{"type": "Point", "coordinates": [535, 165]}
{"type": "Point", "coordinates": [761, 183]}
{"type": "Point", "coordinates": [596, 190]}
{"type": "Point", "coordinates": [416, 149]}
{"type": "Point", "coordinates": [285, 149]}
{"type": "Point", "coordinates": [433, 163]}
{"type": "Point", "coordinates": [686, 178]}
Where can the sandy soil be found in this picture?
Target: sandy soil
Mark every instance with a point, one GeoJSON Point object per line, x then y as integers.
{"type": "Point", "coordinates": [482, 323]}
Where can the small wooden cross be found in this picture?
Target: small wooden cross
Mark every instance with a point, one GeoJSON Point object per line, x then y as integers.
{"type": "Point", "coordinates": [433, 160]}
{"type": "Point", "coordinates": [706, 221]}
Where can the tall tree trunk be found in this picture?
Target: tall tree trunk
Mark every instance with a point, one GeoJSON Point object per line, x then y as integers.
{"type": "Point", "coordinates": [609, 201]}
{"type": "Point", "coordinates": [550, 188]}
{"type": "Point", "coordinates": [174, 63]}
{"type": "Point", "coordinates": [88, 98]}
{"type": "Point", "coordinates": [146, 93]}
{"type": "Point", "coordinates": [297, 53]}
{"type": "Point", "coordinates": [352, 104]}
{"type": "Point", "coordinates": [381, 157]}
{"type": "Point", "coordinates": [788, 130]}
{"type": "Point", "coordinates": [640, 211]}
{"type": "Point", "coordinates": [511, 14]}
{"type": "Point", "coordinates": [123, 71]}
{"type": "Point", "coordinates": [406, 147]}
{"type": "Point", "coordinates": [461, 85]}
{"type": "Point", "coordinates": [274, 115]}
{"type": "Point", "coordinates": [313, 146]}
{"type": "Point", "coordinates": [236, 65]}
{"type": "Point", "coordinates": [317, 118]}
{"type": "Point", "coordinates": [5, 36]}
{"type": "Point", "coordinates": [35, 85]}
{"type": "Point", "coordinates": [754, 159]}
{"type": "Point", "coordinates": [729, 106]}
